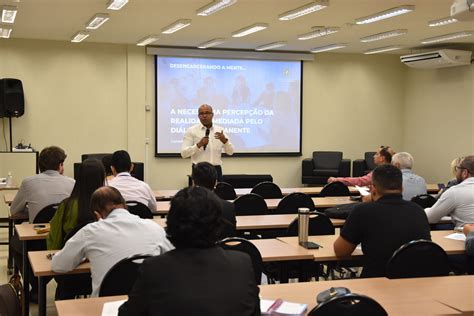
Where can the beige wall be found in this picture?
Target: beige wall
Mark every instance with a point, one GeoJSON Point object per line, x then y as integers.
{"type": "Point", "coordinates": [92, 97]}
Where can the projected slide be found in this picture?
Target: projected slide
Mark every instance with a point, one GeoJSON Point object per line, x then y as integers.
{"type": "Point", "coordinates": [257, 102]}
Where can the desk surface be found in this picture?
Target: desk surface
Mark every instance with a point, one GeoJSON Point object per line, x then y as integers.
{"type": "Point", "coordinates": [399, 297]}
{"type": "Point", "coordinates": [41, 265]}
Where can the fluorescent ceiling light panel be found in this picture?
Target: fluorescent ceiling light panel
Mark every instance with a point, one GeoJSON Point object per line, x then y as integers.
{"type": "Point", "coordinates": [116, 4]}
{"type": "Point", "coordinates": [303, 10]}
{"type": "Point", "coordinates": [148, 40]}
{"type": "Point", "coordinates": [447, 37]}
{"type": "Point", "coordinates": [211, 43]}
{"type": "Point", "coordinates": [214, 6]}
{"type": "Point", "coordinates": [270, 46]}
{"type": "Point", "coordinates": [384, 35]}
{"type": "Point", "coordinates": [8, 14]}
{"type": "Point", "coordinates": [386, 14]}
{"type": "Point", "coordinates": [250, 29]}
{"type": "Point", "coordinates": [382, 49]}
{"type": "Point", "coordinates": [328, 48]}
{"type": "Point", "coordinates": [441, 22]}
{"type": "Point", "coordinates": [5, 33]}
{"type": "Point", "coordinates": [176, 26]}
{"type": "Point", "coordinates": [97, 21]}
{"type": "Point", "coordinates": [80, 36]}
{"type": "Point", "coordinates": [318, 32]}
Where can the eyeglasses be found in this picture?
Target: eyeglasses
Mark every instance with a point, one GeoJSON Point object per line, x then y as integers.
{"type": "Point", "coordinates": [205, 113]}
{"type": "Point", "coordinates": [457, 168]}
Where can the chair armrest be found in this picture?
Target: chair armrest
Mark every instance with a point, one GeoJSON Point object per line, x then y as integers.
{"type": "Point", "coordinates": [345, 168]}
{"type": "Point", "coordinates": [308, 167]}
{"type": "Point", "coordinates": [358, 167]}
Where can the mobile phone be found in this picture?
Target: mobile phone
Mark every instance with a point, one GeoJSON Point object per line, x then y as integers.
{"type": "Point", "coordinates": [39, 226]}
{"type": "Point", "coordinates": [441, 186]}
{"type": "Point", "coordinates": [357, 198]}
{"type": "Point", "coordinates": [310, 245]}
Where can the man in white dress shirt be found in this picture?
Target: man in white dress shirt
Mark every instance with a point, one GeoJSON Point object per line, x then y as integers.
{"type": "Point", "coordinates": [131, 188]}
{"type": "Point", "coordinates": [116, 235]}
{"type": "Point", "coordinates": [206, 141]}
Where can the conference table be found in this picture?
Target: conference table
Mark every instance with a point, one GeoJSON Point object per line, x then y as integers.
{"type": "Point", "coordinates": [450, 295]}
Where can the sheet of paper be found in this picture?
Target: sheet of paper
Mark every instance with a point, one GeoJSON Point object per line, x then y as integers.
{"type": "Point", "coordinates": [456, 236]}
{"type": "Point", "coordinates": [111, 308]}
{"type": "Point", "coordinates": [363, 190]}
{"type": "Point", "coordinates": [286, 308]}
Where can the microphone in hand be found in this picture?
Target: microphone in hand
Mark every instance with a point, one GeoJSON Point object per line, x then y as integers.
{"type": "Point", "coordinates": [207, 135]}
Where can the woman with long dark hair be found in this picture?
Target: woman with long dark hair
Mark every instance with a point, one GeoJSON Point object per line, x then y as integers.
{"type": "Point", "coordinates": [74, 211]}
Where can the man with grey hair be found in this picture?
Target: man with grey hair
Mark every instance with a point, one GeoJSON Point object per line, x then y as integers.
{"type": "Point", "coordinates": [413, 184]}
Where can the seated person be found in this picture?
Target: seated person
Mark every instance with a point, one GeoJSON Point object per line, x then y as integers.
{"type": "Point", "coordinates": [453, 181]}
{"type": "Point", "coordinates": [74, 210]}
{"type": "Point", "coordinates": [413, 184]}
{"type": "Point", "coordinates": [384, 225]}
{"type": "Point", "coordinates": [48, 187]}
{"type": "Point", "coordinates": [131, 188]}
{"type": "Point", "coordinates": [198, 277]}
{"type": "Point", "coordinates": [205, 175]}
{"type": "Point", "coordinates": [100, 243]}
{"type": "Point", "coordinates": [468, 230]}
{"type": "Point", "coordinates": [382, 156]}
{"type": "Point", "coordinates": [458, 201]}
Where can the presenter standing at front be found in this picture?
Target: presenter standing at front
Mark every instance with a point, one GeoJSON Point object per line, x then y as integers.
{"type": "Point", "coordinates": [205, 141]}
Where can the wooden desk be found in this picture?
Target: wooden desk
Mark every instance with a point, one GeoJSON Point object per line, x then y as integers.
{"type": "Point", "coordinates": [399, 297]}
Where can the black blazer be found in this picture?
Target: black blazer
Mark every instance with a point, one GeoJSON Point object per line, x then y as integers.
{"type": "Point", "coordinates": [192, 281]}
{"type": "Point", "coordinates": [228, 214]}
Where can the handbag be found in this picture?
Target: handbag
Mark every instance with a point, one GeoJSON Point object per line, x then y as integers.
{"type": "Point", "coordinates": [341, 211]}
{"type": "Point", "coordinates": [11, 296]}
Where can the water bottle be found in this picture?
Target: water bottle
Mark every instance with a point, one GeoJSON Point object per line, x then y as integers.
{"type": "Point", "coordinates": [303, 221]}
{"type": "Point", "coordinates": [9, 182]}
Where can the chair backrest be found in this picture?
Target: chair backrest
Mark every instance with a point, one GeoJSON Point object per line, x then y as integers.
{"type": "Point", "coordinates": [225, 191]}
{"type": "Point", "coordinates": [335, 189]}
{"type": "Point", "coordinates": [11, 295]}
{"type": "Point", "coordinates": [267, 190]}
{"type": "Point", "coordinates": [319, 224]}
{"type": "Point", "coordinates": [327, 159]}
{"type": "Point", "coordinates": [139, 209]}
{"type": "Point", "coordinates": [350, 304]}
{"type": "Point", "coordinates": [290, 203]}
{"type": "Point", "coordinates": [369, 160]}
{"type": "Point", "coordinates": [418, 258]}
{"type": "Point", "coordinates": [242, 244]}
{"type": "Point", "coordinates": [46, 214]}
{"type": "Point", "coordinates": [424, 200]}
{"type": "Point", "coordinates": [120, 278]}
{"type": "Point", "coordinates": [250, 204]}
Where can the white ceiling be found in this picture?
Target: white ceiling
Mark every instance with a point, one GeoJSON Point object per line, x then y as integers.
{"type": "Point", "coordinates": [61, 19]}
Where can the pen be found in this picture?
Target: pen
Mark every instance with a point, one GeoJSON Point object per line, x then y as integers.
{"type": "Point", "coordinates": [275, 305]}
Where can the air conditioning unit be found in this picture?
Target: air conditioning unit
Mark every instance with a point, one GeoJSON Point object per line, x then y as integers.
{"type": "Point", "coordinates": [438, 59]}
{"type": "Point", "coordinates": [463, 10]}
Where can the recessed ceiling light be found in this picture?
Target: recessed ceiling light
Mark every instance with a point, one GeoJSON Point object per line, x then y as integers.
{"type": "Point", "coordinates": [80, 36]}
{"type": "Point", "coordinates": [303, 10]}
{"type": "Point", "coordinates": [211, 43]}
{"type": "Point", "coordinates": [441, 22]}
{"type": "Point", "coordinates": [318, 32]}
{"type": "Point", "coordinates": [250, 29]}
{"type": "Point", "coordinates": [5, 32]}
{"type": "Point", "coordinates": [97, 21]}
{"type": "Point", "coordinates": [270, 46]}
{"type": "Point", "coordinates": [116, 4]}
{"type": "Point", "coordinates": [386, 14]}
{"type": "Point", "coordinates": [382, 49]}
{"type": "Point", "coordinates": [148, 40]}
{"type": "Point", "coordinates": [214, 6]}
{"type": "Point", "coordinates": [8, 14]}
{"type": "Point", "coordinates": [328, 48]}
{"type": "Point", "coordinates": [447, 37]}
{"type": "Point", "coordinates": [384, 35]}
{"type": "Point", "coordinates": [176, 26]}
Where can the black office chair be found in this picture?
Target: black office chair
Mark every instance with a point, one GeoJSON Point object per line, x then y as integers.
{"type": "Point", "coordinates": [250, 204]}
{"type": "Point", "coordinates": [120, 278]}
{"type": "Point", "coordinates": [267, 190]}
{"type": "Point", "coordinates": [350, 304]}
{"type": "Point", "coordinates": [335, 189]}
{"type": "Point", "coordinates": [361, 167]}
{"type": "Point", "coordinates": [418, 258]}
{"type": "Point", "coordinates": [139, 209]}
{"type": "Point", "coordinates": [290, 203]}
{"type": "Point", "coordinates": [324, 164]}
{"type": "Point", "coordinates": [225, 191]}
{"type": "Point", "coordinates": [46, 213]}
{"type": "Point", "coordinates": [242, 244]}
{"type": "Point", "coordinates": [319, 224]}
{"type": "Point", "coordinates": [424, 200]}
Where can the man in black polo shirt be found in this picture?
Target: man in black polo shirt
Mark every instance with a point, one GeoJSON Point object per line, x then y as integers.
{"type": "Point", "coordinates": [385, 224]}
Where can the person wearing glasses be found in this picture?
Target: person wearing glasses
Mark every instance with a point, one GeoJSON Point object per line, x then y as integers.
{"type": "Point", "coordinates": [382, 156]}
{"type": "Point", "coordinates": [458, 201]}
{"type": "Point", "coordinates": [205, 141]}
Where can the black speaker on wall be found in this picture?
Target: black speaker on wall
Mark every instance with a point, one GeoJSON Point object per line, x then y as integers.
{"type": "Point", "coordinates": [12, 100]}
